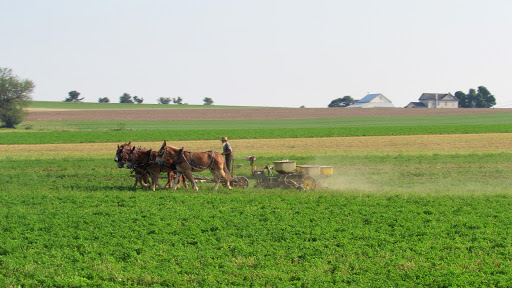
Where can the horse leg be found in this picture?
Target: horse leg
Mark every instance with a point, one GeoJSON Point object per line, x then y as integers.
{"type": "Point", "coordinates": [223, 175]}
{"type": "Point", "coordinates": [169, 179]}
{"type": "Point", "coordinates": [137, 180]}
{"type": "Point", "coordinates": [184, 180]}
{"type": "Point", "coordinates": [178, 175]}
{"type": "Point", "coordinates": [156, 176]}
{"type": "Point", "coordinates": [190, 178]}
{"type": "Point", "coordinates": [216, 179]}
{"type": "Point", "coordinates": [142, 178]}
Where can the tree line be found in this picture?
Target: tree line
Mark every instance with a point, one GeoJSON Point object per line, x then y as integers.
{"type": "Point", "coordinates": [74, 96]}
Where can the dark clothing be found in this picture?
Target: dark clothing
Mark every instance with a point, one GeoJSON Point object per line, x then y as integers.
{"type": "Point", "coordinates": [226, 148]}
{"type": "Point", "coordinates": [228, 161]}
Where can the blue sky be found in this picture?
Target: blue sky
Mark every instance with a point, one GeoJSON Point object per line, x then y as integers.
{"type": "Point", "coordinates": [258, 53]}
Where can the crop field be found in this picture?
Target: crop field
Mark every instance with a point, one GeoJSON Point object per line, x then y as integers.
{"type": "Point", "coordinates": [400, 210]}
{"type": "Point", "coordinates": [91, 131]}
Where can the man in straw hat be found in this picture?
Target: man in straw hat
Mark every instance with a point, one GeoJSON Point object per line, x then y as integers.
{"type": "Point", "coordinates": [227, 151]}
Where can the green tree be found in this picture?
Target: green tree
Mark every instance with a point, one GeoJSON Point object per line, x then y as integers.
{"type": "Point", "coordinates": [125, 98]}
{"type": "Point", "coordinates": [15, 94]}
{"type": "Point", "coordinates": [178, 100]}
{"type": "Point", "coordinates": [164, 100]}
{"type": "Point", "coordinates": [73, 97]}
{"type": "Point", "coordinates": [342, 102]}
{"type": "Point", "coordinates": [207, 101]}
{"type": "Point", "coordinates": [138, 100]}
{"type": "Point", "coordinates": [104, 100]}
{"type": "Point", "coordinates": [480, 98]}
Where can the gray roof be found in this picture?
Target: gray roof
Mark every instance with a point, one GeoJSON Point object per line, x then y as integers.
{"type": "Point", "coordinates": [370, 97]}
{"type": "Point", "coordinates": [417, 105]}
{"type": "Point", "coordinates": [367, 102]}
{"type": "Point", "coordinates": [440, 96]}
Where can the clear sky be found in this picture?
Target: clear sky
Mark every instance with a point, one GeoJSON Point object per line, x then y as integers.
{"type": "Point", "coordinates": [258, 52]}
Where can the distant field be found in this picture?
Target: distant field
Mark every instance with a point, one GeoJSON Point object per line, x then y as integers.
{"type": "Point", "coordinates": [135, 112]}
{"type": "Point", "coordinates": [90, 131]}
{"type": "Point", "coordinates": [268, 133]}
{"type": "Point", "coordinates": [479, 119]}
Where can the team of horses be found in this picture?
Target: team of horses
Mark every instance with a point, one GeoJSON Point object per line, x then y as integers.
{"type": "Point", "coordinates": [177, 163]}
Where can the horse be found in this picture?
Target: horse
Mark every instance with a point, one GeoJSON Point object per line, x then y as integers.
{"type": "Point", "coordinates": [187, 162]}
{"type": "Point", "coordinates": [145, 160]}
{"type": "Point", "coordinates": [121, 157]}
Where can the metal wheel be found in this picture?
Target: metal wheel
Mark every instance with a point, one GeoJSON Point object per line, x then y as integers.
{"type": "Point", "coordinates": [309, 182]}
{"type": "Point", "coordinates": [292, 180]}
{"type": "Point", "coordinates": [240, 182]}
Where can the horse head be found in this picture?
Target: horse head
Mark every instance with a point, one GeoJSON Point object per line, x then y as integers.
{"type": "Point", "coordinates": [120, 153]}
{"type": "Point", "coordinates": [167, 155]}
{"type": "Point", "coordinates": [130, 158]}
{"type": "Point", "coordinates": [162, 154]}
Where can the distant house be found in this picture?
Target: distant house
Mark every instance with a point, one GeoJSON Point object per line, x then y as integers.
{"type": "Point", "coordinates": [435, 100]}
{"type": "Point", "coordinates": [373, 101]}
{"type": "Point", "coordinates": [416, 105]}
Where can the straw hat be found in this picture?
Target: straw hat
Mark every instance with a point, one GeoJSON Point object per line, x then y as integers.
{"type": "Point", "coordinates": [224, 139]}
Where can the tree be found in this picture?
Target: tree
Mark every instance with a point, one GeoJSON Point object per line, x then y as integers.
{"type": "Point", "coordinates": [125, 98]}
{"type": "Point", "coordinates": [164, 100]}
{"type": "Point", "coordinates": [480, 98]}
{"type": "Point", "coordinates": [138, 100]}
{"type": "Point", "coordinates": [207, 101]}
{"type": "Point", "coordinates": [342, 102]}
{"type": "Point", "coordinates": [15, 93]}
{"type": "Point", "coordinates": [73, 97]}
{"type": "Point", "coordinates": [177, 100]}
{"type": "Point", "coordinates": [104, 100]}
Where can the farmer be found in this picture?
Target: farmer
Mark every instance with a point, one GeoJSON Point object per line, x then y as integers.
{"type": "Point", "coordinates": [227, 151]}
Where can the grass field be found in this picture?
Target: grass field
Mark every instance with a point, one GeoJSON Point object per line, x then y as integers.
{"type": "Point", "coordinates": [412, 211]}
{"type": "Point", "coordinates": [359, 122]}
{"type": "Point", "coordinates": [399, 211]}
{"type": "Point", "coordinates": [90, 131]}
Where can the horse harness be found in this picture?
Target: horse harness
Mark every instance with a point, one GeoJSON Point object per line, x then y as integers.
{"type": "Point", "coordinates": [139, 164]}
{"type": "Point", "coordinates": [192, 162]}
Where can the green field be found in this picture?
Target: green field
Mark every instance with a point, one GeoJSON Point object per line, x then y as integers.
{"type": "Point", "coordinates": [432, 217]}
{"type": "Point", "coordinates": [387, 219]}
{"type": "Point", "coordinates": [359, 122]}
{"type": "Point", "coordinates": [116, 131]}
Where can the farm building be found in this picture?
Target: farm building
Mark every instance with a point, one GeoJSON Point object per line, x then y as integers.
{"type": "Point", "coordinates": [373, 101]}
{"type": "Point", "coordinates": [435, 100]}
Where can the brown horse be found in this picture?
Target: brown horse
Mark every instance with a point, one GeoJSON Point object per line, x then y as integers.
{"type": "Point", "coordinates": [187, 162]}
{"type": "Point", "coordinates": [121, 157]}
{"type": "Point", "coordinates": [145, 160]}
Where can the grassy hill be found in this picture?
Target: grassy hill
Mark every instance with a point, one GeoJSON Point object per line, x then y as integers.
{"type": "Point", "coordinates": [53, 105]}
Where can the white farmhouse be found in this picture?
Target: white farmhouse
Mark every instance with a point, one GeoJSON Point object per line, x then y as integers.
{"type": "Point", "coordinates": [435, 100]}
{"type": "Point", "coordinates": [373, 101]}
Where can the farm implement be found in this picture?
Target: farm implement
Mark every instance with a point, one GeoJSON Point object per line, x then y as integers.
{"type": "Point", "coordinates": [287, 174]}
{"type": "Point", "coordinates": [283, 174]}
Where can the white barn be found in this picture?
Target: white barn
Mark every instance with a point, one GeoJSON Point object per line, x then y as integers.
{"type": "Point", "coordinates": [373, 101]}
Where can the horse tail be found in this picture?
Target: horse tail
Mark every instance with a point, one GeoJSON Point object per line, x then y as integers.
{"type": "Point", "coordinates": [226, 171]}
{"type": "Point", "coordinates": [224, 166]}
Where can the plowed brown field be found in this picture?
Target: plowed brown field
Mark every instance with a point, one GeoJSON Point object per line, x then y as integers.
{"type": "Point", "coordinates": [248, 113]}
{"type": "Point", "coordinates": [467, 143]}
